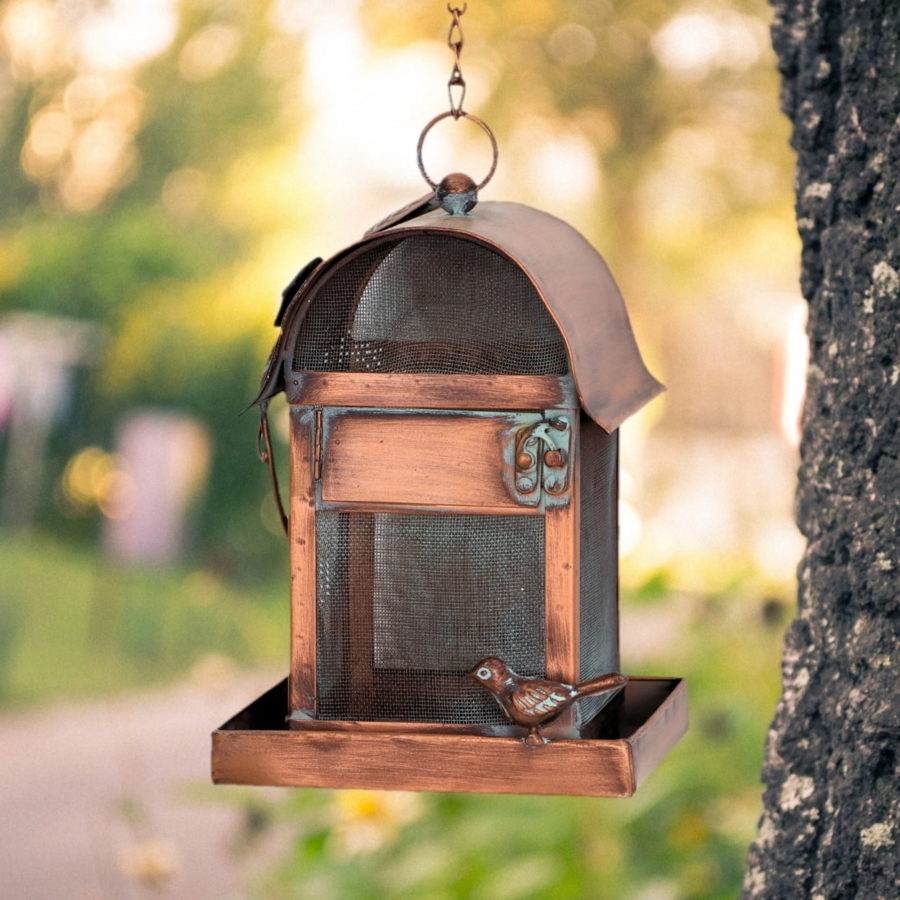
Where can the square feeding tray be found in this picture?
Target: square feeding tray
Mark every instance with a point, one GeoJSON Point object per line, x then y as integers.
{"type": "Point", "coordinates": [628, 739]}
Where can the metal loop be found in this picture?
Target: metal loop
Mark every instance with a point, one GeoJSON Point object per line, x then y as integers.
{"type": "Point", "coordinates": [456, 103]}
{"type": "Point", "coordinates": [457, 116]}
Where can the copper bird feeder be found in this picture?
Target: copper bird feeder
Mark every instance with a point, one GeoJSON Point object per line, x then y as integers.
{"type": "Point", "coordinates": [456, 383]}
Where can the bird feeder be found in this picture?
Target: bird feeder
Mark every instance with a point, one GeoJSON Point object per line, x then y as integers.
{"type": "Point", "coordinates": [456, 384]}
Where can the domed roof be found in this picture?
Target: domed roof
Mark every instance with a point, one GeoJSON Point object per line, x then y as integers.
{"type": "Point", "coordinates": [571, 279]}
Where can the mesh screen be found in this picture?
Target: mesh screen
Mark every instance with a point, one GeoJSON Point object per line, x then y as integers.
{"type": "Point", "coordinates": [407, 604]}
{"type": "Point", "coordinates": [430, 303]}
{"type": "Point", "coordinates": [599, 557]}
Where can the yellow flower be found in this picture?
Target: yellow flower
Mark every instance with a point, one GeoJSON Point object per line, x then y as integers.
{"type": "Point", "coordinates": [151, 862]}
{"type": "Point", "coordinates": [364, 821]}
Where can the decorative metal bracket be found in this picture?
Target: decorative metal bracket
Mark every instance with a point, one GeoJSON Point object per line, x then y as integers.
{"type": "Point", "coordinates": [542, 459]}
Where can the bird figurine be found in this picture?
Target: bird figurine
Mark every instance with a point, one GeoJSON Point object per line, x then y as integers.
{"type": "Point", "coordinates": [533, 702]}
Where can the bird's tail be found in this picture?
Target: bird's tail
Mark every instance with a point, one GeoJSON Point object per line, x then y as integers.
{"type": "Point", "coordinates": [612, 681]}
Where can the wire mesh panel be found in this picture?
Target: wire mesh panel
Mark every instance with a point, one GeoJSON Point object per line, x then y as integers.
{"type": "Point", "coordinates": [434, 304]}
{"type": "Point", "coordinates": [408, 603]}
{"type": "Point", "coordinates": [599, 558]}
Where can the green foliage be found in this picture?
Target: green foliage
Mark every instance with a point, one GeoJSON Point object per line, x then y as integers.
{"type": "Point", "coordinates": [77, 627]}
{"type": "Point", "coordinates": [94, 267]}
{"type": "Point", "coordinates": [161, 256]}
{"type": "Point", "coordinates": [690, 149]}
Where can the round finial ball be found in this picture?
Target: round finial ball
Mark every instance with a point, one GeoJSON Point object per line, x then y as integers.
{"type": "Point", "coordinates": [457, 194]}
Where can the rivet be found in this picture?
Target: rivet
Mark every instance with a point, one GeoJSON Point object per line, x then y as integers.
{"type": "Point", "coordinates": [525, 485]}
{"type": "Point", "coordinates": [555, 458]}
{"type": "Point", "coordinates": [524, 461]}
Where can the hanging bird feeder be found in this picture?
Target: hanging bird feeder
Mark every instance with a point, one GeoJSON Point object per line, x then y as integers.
{"type": "Point", "coordinates": [456, 381]}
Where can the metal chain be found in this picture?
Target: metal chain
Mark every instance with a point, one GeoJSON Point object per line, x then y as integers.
{"type": "Point", "coordinates": [456, 91]}
{"type": "Point", "coordinates": [456, 86]}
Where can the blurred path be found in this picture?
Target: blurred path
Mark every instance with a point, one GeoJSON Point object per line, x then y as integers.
{"type": "Point", "coordinates": [99, 800]}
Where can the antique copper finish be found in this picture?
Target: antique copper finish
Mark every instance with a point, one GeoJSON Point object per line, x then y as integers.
{"type": "Point", "coordinates": [555, 458]}
{"type": "Point", "coordinates": [317, 470]}
{"type": "Point", "coordinates": [422, 459]}
{"type": "Point", "coordinates": [552, 433]}
{"type": "Point", "coordinates": [408, 211]}
{"type": "Point", "coordinates": [581, 295]}
{"type": "Point", "coordinates": [457, 194]}
{"type": "Point", "coordinates": [573, 281]}
{"type": "Point", "coordinates": [380, 390]}
{"type": "Point", "coordinates": [534, 702]}
{"type": "Point", "coordinates": [377, 695]}
{"type": "Point", "coordinates": [628, 741]}
{"type": "Point", "coordinates": [455, 382]}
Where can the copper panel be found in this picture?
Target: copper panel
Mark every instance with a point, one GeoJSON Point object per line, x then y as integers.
{"type": "Point", "coordinates": [302, 536]}
{"type": "Point", "coordinates": [417, 459]}
{"type": "Point", "coordinates": [428, 391]}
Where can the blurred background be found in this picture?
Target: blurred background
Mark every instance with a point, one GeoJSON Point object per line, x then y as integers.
{"type": "Point", "coordinates": [165, 169]}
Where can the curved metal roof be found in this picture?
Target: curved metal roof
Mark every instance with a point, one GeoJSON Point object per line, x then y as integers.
{"type": "Point", "coordinates": [572, 280]}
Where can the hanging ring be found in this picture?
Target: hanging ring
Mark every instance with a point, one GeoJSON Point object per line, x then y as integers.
{"type": "Point", "coordinates": [461, 115]}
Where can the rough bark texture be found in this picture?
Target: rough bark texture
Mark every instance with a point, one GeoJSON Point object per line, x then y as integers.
{"type": "Point", "coordinates": [830, 827]}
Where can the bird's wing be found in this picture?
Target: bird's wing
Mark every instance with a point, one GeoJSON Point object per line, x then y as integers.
{"type": "Point", "coordinates": [537, 699]}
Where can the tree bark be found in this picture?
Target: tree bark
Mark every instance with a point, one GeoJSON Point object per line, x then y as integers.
{"type": "Point", "coordinates": [830, 826]}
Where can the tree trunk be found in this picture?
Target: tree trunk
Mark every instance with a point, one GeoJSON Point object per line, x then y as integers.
{"type": "Point", "coordinates": [830, 826]}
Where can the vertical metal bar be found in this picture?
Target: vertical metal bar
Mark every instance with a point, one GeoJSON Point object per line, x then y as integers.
{"type": "Point", "coordinates": [317, 474]}
{"type": "Point", "coordinates": [562, 590]}
{"type": "Point", "coordinates": [302, 681]}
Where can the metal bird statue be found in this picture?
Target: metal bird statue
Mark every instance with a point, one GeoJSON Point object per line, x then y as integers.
{"type": "Point", "coordinates": [533, 702]}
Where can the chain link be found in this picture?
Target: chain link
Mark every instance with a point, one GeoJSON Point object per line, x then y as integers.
{"type": "Point", "coordinates": [456, 86]}
{"type": "Point", "coordinates": [456, 91]}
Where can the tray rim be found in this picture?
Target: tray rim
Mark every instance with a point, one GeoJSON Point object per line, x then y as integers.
{"type": "Point", "coordinates": [450, 761]}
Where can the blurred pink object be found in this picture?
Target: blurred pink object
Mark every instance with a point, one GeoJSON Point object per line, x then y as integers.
{"type": "Point", "coordinates": [163, 463]}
